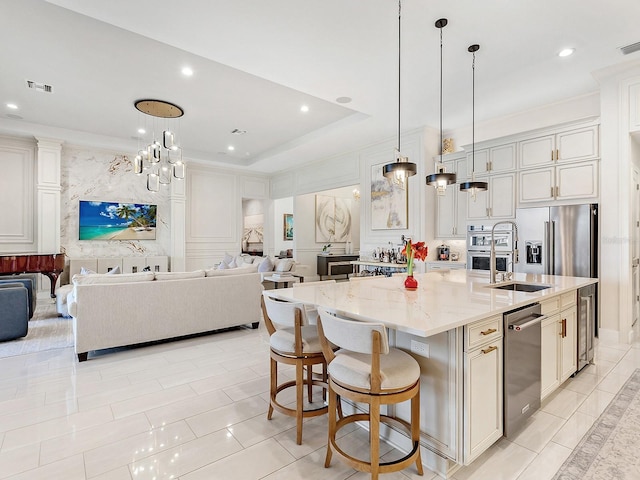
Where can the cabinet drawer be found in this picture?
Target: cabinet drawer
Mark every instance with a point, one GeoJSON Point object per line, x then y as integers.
{"type": "Point", "coordinates": [567, 299]}
{"type": "Point", "coordinates": [483, 331]}
{"type": "Point", "coordinates": [551, 306]}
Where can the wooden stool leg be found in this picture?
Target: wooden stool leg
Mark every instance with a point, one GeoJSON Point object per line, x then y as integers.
{"type": "Point", "coordinates": [374, 437]}
{"type": "Point", "coordinates": [273, 388]}
{"type": "Point", "coordinates": [331, 428]}
{"type": "Point", "coordinates": [415, 428]}
{"type": "Point", "coordinates": [299, 400]}
{"type": "Point", "coordinates": [310, 382]}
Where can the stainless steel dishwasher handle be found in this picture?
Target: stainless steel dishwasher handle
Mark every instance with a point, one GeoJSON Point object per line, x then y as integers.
{"type": "Point", "coordinates": [529, 322]}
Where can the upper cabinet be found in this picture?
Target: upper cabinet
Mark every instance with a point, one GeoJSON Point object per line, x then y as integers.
{"type": "Point", "coordinates": [564, 146]}
{"type": "Point", "coordinates": [451, 207]}
{"type": "Point", "coordinates": [498, 202]}
{"type": "Point", "coordinates": [501, 158]}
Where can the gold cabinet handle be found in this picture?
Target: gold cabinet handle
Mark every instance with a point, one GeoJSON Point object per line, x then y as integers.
{"type": "Point", "coordinates": [563, 329]}
{"type": "Point", "coordinates": [489, 349]}
{"type": "Point", "coordinates": [488, 331]}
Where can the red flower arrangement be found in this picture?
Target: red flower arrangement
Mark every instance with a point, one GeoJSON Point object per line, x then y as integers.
{"type": "Point", "coordinates": [419, 251]}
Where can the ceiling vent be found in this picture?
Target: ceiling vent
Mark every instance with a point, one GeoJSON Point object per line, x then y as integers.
{"type": "Point", "coordinates": [39, 87]}
{"type": "Point", "coordinates": [634, 47]}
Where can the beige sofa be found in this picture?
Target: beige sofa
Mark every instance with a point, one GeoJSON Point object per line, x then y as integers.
{"type": "Point", "coordinates": [117, 310]}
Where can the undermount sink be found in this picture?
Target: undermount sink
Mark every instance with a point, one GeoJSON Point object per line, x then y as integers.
{"type": "Point", "coordinates": [520, 287]}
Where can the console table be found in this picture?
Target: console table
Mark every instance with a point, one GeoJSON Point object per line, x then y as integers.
{"type": "Point", "coordinates": [331, 265]}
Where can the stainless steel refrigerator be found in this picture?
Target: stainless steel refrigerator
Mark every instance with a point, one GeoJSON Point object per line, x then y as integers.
{"type": "Point", "coordinates": [563, 241]}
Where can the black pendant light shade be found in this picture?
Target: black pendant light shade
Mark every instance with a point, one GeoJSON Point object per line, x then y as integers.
{"type": "Point", "coordinates": [402, 168]}
{"type": "Point", "coordinates": [399, 168]}
{"type": "Point", "coordinates": [473, 187]}
{"type": "Point", "coordinates": [440, 179]}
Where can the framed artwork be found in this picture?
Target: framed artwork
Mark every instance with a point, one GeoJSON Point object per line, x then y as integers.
{"type": "Point", "coordinates": [288, 226]}
{"type": "Point", "coordinates": [389, 202]}
{"type": "Point", "coordinates": [333, 219]}
{"type": "Point", "coordinates": [116, 221]}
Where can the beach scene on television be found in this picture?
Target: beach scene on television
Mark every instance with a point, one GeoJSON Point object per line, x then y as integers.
{"type": "Point", "coordinates": [117, 221]}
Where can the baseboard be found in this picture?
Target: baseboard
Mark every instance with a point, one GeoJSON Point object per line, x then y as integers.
{"type": "Point", "coordinates": [608, 336]}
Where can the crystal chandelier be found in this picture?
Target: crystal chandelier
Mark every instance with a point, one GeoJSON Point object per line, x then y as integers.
{"type": "Point", "coordinates": [161, 158]}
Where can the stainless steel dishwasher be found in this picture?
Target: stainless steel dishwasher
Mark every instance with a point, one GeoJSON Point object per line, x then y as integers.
{"type": "Point", "coordinates": [522, 364]}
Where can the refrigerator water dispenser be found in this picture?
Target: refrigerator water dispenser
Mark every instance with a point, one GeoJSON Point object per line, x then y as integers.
{"type": "Point", "coordinates": [534, 252]}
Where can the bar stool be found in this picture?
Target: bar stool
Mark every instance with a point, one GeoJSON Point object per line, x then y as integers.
{"type": "Point", "coordinates": [293, 342]}
{"type": "Point", "coordinates": [366, 370]}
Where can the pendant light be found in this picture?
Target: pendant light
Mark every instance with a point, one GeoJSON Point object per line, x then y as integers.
{"type": "Point", "coordinates": [401, 169]}
{"type": "Point", "coordinates": [473, 187]}
{"type": "Point", "coordinates": [441, 178]}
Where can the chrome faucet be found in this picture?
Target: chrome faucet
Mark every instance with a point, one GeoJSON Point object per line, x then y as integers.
{"type": "Point", "coordinates": [492, 258]}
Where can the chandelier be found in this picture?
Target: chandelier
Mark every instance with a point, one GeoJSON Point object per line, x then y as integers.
{"type": "Point", "coordinates": [161, 158]}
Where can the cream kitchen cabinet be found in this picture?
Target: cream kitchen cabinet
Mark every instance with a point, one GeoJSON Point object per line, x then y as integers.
{"type": "Point", "coordinates": [568, 355]}
{"type": "Point", "coordinates": [561, 182]}
{"type": "Point", "coordinates": [483, 386]}
{"type": "Point", "coordinates": [451, 213]}
{"type": "Point", "coordinates": [501, 158]}
{"type": "Point", "coordinates": [569, 145]}
{"type": "Point", "coordinates": [558, 342]}
{"type": "Point", "coordinates": [497, 202]}
{"type": "Point", "coordinates": [550, 345]}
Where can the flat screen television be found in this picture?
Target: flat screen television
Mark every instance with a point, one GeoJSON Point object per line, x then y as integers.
{"type": "Point", "coordinates": [117, 221]}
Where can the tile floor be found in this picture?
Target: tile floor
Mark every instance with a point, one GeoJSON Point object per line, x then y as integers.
{"type": "Point", "coordinates": [196, 409]}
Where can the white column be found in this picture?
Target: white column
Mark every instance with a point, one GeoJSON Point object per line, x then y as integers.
{"type": "Point", "coordinates": [48, 191]}
{"type": "Point", "coordinates": [177, 201]}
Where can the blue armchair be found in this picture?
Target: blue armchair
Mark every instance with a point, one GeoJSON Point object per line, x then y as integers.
{"type": "Point", "coordinates": [14, 311]}
{"type": "Point", "coordinates": [29, 282]}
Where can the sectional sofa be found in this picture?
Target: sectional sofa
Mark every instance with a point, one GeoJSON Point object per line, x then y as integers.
{"type": "Point", "coordinates": [127, 309]}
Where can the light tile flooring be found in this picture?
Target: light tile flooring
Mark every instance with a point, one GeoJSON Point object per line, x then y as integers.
{"type": "Point", "coordinates": [196, 409]}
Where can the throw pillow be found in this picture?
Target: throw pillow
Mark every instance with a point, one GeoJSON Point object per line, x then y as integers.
{"type": "Point", "coordinates": [284, 265]}
{"type": "Point", "coordinates": [222, 266]}
{"type": "Point", "coordinates": [227, 258]}
{"type": "Point", "coordinates": [86, 271]}
{"type": "Point", "coordinates": [266, 265]}
{"type": "Point", "coordinates": [114, 271]}
{"type": "Point", "coordinates": [232, 264]}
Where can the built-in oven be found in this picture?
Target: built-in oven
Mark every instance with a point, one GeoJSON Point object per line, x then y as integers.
{"type": "Point", "coordinates": [479, 260]}
{"type": "Point", "coordinates": [479, 238]}
{"type": "Point", "coordinates": [479, 247]}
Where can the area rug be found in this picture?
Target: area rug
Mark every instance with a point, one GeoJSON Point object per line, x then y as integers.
{"type": "Point", "coordinates": [609, 450]}
{"type": "Point", "coordinates": [47, 331]}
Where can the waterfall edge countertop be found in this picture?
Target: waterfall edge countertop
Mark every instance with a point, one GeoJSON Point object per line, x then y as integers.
{"type": "Point", "coordinates": [443, 301]}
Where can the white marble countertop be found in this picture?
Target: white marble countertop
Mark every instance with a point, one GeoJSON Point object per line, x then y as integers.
{"type": "Point", "coordinates": [444, 299]}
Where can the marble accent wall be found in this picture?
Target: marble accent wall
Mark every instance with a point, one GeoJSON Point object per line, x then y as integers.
{"type": "Point", "coordinates": [89, 174]}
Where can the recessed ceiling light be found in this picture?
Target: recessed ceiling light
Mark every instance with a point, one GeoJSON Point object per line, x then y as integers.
{"type": "Point", "coordinates": [12, 106]}
{"type": "Point", "coordinates": [187, 71]}
{"type": "Point", "coordinates": [343, 99]}
{"type": "Point", "coordinates": [304, 108]}
{"type": "Point", "coordinates": [565, 52]}
{"type": "Point", "coordinates": [142, 131]}
{"type": "Point", "coordinates": [231, 148]}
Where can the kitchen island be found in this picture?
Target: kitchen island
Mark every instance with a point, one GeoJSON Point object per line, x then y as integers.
{"type": "Point", "coordinates": [452, 324]}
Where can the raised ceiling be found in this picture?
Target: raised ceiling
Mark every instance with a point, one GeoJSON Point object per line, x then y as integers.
{"type": "Point", "coordinates": [256, 62]}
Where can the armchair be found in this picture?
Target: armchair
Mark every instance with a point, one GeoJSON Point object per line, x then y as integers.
{"type": "Point", "coordinates": [14, 311]}
{"type": "Point", "coordinates": [29, 282]}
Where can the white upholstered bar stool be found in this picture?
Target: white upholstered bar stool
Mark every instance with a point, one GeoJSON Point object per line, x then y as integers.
{"type": "Point", "coordinates": [293, 341]}
{"type": "Point", "coordinates": [366, 370]}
